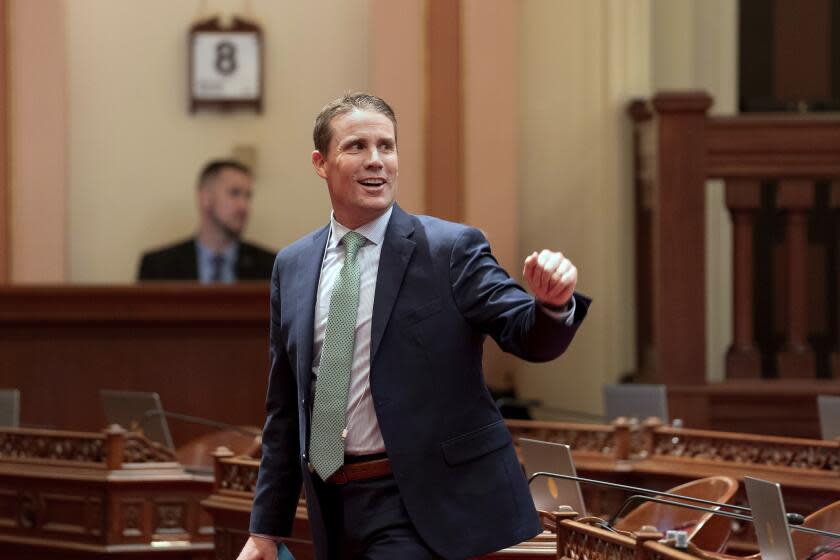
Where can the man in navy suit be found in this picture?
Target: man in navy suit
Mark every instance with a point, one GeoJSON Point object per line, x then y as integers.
{"type": "Point", "coordinates": [426, 465]}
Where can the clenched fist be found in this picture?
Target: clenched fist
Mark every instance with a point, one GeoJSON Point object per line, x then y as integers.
{"type": "Point", "coordinates": [551, 276]}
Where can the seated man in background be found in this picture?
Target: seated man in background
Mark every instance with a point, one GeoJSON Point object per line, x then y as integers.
{"type": "Point", "coordinates": [216, 253]}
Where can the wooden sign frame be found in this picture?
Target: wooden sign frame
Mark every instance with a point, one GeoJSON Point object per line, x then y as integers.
{"type": "Point", "coordinates": [198, 100]}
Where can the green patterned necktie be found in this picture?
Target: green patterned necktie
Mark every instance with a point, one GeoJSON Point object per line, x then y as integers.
{"type": "Point", "coordinates": [329, 411]}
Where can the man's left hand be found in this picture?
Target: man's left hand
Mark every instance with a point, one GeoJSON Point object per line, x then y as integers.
{"type": "Point", "coordinates": [551, 276]}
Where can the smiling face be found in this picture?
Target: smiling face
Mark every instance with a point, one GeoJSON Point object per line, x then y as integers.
{"type": "Point", "coordinates": [360, 166]}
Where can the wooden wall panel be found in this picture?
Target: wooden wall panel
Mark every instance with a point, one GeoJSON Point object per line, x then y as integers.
{"type": "Point", "coordinates": [205, 350]}
{"type": "Point", "coordinates": [444, 162]}
{"type": "Point", "coordinates": [4, 147]}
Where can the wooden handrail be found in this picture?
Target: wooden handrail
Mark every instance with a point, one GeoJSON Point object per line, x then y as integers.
{"type": "Point", "coordinates": [110, 449]}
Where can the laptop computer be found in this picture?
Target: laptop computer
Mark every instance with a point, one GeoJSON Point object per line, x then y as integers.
{"type": "Point", "coordinates": [769, 519]}
{"type": "Point", "coordinates": [136, 409]}
{"type": "Point", "coordinates": [551, 493]}
{"type": "Point", "coordinates": [635, 400]}
{"type": "Point", "coordinates": [829, 409]}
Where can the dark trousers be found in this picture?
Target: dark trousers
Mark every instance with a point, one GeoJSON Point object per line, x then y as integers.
{"type": "Point", "coordinates": [367, 520]}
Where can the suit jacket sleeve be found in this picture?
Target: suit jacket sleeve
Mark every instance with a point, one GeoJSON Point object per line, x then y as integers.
{"type": "Point", "coordinates": [497, 306]}
{"type": "Point", "coordinates": [280, 479]}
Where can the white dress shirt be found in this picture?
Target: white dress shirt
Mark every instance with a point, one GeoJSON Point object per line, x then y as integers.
{"type": "Point", "coordinates": [363, 435]}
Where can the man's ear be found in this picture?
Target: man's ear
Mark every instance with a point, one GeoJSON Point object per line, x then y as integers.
{"type": "Point", "coordinates": [319, 162]}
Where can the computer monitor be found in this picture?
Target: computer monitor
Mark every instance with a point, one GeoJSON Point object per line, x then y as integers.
{"type": "Point", "coordinates": [635, 400]}
{"type": "Point", "coordinates": [551, 493]}
{"type": "Point", "coordinates": [136, 409]}
{"type": "Point", "coordinates": [769, 519]}
{"type": "Point", "coordinates": [829, 409]}
{"type": "Point", "coordinates": [9, 408]}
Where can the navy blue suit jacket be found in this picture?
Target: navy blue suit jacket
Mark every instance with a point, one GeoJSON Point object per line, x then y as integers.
{"type": "Point", "coordinates": [439, 292]}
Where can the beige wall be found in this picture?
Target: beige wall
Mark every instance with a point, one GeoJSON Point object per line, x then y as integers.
{"type": "Point", "coordinates": [580, 62]}
{"type": "Point", "coordinates": [134, 149]}
{"type": "Point", "coordinates": [547, 141]}
{"type": "Point", "coordinates": [38, 150]}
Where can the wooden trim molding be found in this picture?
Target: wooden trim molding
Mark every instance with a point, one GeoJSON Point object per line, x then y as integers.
{"type": "Point", "coordinates": [5, 243]}
{"type": "Point", "coordinates": [444, 161]}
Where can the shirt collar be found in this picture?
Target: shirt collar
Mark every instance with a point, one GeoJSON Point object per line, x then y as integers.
{"type": "Point", "coordinates": [374, 231]}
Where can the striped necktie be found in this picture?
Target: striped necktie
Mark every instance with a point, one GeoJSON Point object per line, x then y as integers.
{"type": "Point", "coordinates": [329, 410]}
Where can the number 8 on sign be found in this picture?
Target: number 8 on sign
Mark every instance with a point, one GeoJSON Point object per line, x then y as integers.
{"type": "Point", "coordinates": [225, 66]}
{"type": "Point", "coordinates": [226, 58]}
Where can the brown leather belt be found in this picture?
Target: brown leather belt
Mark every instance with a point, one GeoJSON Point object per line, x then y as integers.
{"type": "Point", "coordinates": [363, 470]}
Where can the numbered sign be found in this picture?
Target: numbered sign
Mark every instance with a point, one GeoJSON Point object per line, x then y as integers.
{"type": "Point", "coordinates": [225, 66]}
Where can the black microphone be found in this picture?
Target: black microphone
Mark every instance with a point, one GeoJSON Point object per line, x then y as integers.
{"type": "Point", "coordinates": [833, 548]}
{"type": "Point", "coordinates": [792, 518]}
{"type": "Point", "coordinates": [202, 421]}
{"type": "Point", "coordinates": [642, 498]}
{"type": "Point", "coordinates": [636, 490]}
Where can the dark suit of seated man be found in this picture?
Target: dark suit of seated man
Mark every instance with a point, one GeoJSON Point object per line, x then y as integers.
{"type": "Point", "coordinates": [216, 253]}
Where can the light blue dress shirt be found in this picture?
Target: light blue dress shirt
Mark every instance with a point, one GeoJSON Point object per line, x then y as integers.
{"type": "Point", "coordinates": [205, 257]}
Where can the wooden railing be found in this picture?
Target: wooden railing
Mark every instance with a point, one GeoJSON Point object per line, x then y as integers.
{"type": "Point", "coordinates": [653, 442]}
{"type": "Point", "coordinates": [780, 176]}
{"type": "Point", "coordinates": [580, 541]}
{"type": "Point", "coordinates": [197, 346]}
{"type": "Point", "coordinates": [109, 449]}
{"type": "Point", "coordinates": [648, 455]}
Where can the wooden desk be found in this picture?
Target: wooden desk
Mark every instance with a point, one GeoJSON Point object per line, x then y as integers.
{"type": "Point", "coordinates": [77, 495]}
{"type": "Point", "coordinates": [659, 457]}
{"type": "Point", "coordinates": [204, 349]}
{"type": "Point", "coordinates": [230, 506]}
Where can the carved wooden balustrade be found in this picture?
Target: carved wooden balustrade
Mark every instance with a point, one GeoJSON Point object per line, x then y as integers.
{"type": "Point", "coordinates": [795, 456]}
{"type": "Point", "coordinates": [107, 450]}
{"type": "Point", "coordinates": [780, 178]}
{"type": "Point", "coordinates": [626, 446]}
{"type": "Point", "coordinates": [618, 441]}
{"type": "Point", "coordinates": [114, 494]}
{"type": "Point", "coordinates": [649, 455]}
{"type": "Point", "coordinates": [580, 541]}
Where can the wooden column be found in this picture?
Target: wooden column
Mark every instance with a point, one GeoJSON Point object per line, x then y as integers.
{"type": "Point", "coordinates": [743, 198]}
{"type": "Point", "coordinates": [643, 182]}
{"type": "Point", "coordinates": [679, 290]}
{"type": "Point", "coordinates": [5, 242]}
{"type": "Point", "coordinates": [795, 200]}
{"type": "Point", "coordinates": [444, 172]}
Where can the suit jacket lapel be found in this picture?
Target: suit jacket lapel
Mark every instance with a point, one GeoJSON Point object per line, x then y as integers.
{"type": "Point", "coordinates": [308, 272]}
{"type": "Point", "coordinates": [396, 253]}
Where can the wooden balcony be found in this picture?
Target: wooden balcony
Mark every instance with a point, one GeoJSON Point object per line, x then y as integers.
{"type": "Point", "coordinates": [780, 174]}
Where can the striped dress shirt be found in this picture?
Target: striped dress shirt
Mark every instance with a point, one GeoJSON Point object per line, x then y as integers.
{"type": "Point", "coordinates": [363, 435]}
